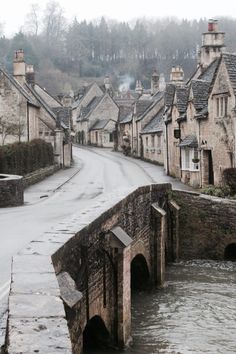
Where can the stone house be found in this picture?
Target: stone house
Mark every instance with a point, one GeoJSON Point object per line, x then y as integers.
{"type": "Point", "coordinates": [27, 108]}
{"type": "Point", "coordinates": [200, 121]}
{"type": "Point", "coordinates": [152, 138]}
{"type": "Point", "coordinates": [84, 98]}
{"type": "Point", "coordinates": [100, 109]}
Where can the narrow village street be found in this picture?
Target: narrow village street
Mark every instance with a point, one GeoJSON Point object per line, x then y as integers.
{"type": "Point", "coordinates": [95, 172]}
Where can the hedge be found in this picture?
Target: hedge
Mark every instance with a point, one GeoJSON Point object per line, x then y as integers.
{"type": "Point", "coordinates": [229, 178]}
{"type": "Point", "coordinates": [25, 157]}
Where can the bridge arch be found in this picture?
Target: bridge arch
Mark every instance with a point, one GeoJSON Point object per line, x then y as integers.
{"type": "Point", "coordinates": [230, 252]}
{"type": "Point", "coordinates": [140, 276]}
{"type": "Point", "coordinates": [96, 335]}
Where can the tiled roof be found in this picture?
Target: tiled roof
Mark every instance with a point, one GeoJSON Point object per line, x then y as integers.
{"type": "Point", "coordinates": [200, 93]}
{"type": "Point", "coordinates": [100, 124]}
{"type": "Point", "coordinates": [85, 111]}
{"type": "Point", "coordinates": [125, 113]}
{"type": "Point", "coordinates": [209, 73]}
{"type": "Point", "coordinates": [169, 94]}
{"type": "Point", "coordinates": [49, 99]}
{"type": "Point", "coordinates": [142, 106]}
{"type": "Point", "coordinates": [20, 88]}
{"type": "Point", "coordinates": [64, 114]}
{"type": "Point", "coordinates": [189, 141]}
{"type": "Point", "coordinates": [156, 124]}
{"type": "Point", "coordinates": [230, 62]}
{"type": "Point", "coordinates": [182, 98]}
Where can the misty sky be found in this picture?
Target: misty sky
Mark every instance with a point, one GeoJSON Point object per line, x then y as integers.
{"type": "Point", "coordinates": [13, 12]}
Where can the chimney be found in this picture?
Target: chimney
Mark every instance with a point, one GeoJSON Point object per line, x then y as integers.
{"type": "Point", "coordinates": [19, 66]}
{"type": "Point", "coordinates": [212, 44]}
{"type": "Point", "coordinates": [154, 83]}
{"type": "Point", "coordinates": [67, 101]}
{"type": "Point", "coordinates": [139, 88]}
{"type": "Point", "coordinates": [107, 83]}
{"type": "Point", "coordinates": [177, 75]}
{"type": "Point", "coordinates": [30, 74]}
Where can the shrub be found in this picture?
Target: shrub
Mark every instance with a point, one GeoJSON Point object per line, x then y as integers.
{"type": "Point", "coordinates": [229, 178]}
{"type": "Point", "coordinates": [25, 157]}
{"type": "Point", "coordinates": [216, 191]}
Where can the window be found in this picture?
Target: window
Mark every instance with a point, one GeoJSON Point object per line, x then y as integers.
{"type": "Point", "coordinates": [221, 106]}
{"type": "Point", "coordinates": [153, 141]}
{"type": "Point", "coordinates": [158, 141]}
{"type": "Point", "coordinates": [190, 159]}
{"type": "Point", "coordinates": [146, 140]}
{"type": "Point", "coordinates": [111, 138]}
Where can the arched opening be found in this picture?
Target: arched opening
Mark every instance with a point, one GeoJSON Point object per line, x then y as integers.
{"type": "Point", "coordinates": [96, 335]}
{"type": "Point", "coordinates": [139, 273]}
{"type": "Point", "coordinates": [230, 252]}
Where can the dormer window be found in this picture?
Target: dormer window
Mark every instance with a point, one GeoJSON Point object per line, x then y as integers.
{"type": "Point", "coordinates": [221, 106]}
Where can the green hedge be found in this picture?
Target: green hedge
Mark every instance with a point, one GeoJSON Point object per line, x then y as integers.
{"type": "Point", "coordinates": [23, 158]}
{"type": "Point", "coordinates": [229, 178]}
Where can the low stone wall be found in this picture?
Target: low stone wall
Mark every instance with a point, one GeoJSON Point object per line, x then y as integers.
{"type": "Point", "coordinates": [11, 190]}
{"type": "Point", "coordinates": [39, 175]}
{"type": "Point", "coordinates": [36, 321]}
{"type": "Point", "coordinates": [206, 225]}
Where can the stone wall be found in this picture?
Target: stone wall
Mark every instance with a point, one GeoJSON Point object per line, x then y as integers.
{"type": "Point", "coordinates": [36, 321]}
{"type": "Point", "coordinates": [39, 175]}
{"type": "Point", "coordinates": [90, 262]}
{"type": "Point", "coordinates": [11, 190]}
{"type": "Point", "coordinates": [206, 225]}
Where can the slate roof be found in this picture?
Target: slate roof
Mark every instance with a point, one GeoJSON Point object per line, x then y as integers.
{"type": "Point", "coordinates": [85, 111]}
{"type": "Point", "coordinates": [100, 124]}
{"type": "Point", "coordinates": [142, 106]}
{"type": "Point", "coordinates": [50, 100]}
{"type": "Point", "coordinates": [125, 113]}
{"type": "Point", "coordinates": [44, 104]}
{"type": "Point", "coordinates": [182, 98]}
{"type": "Point", "coordinates": [200, 93]}
{"type": "Point", "coordinates": [169, 94]}
{"type": "Point", "coordinates": [156, 124]}
{"type": "Point", "coordinates": [189, 141]}
{"type": "Point", "coordinates": [230, 62]}
{"type": "Point", "coordinates": [64, 114]}
{"type": "Point", "coordinates": [21, 89]}
{"type": "Point", "coordinates": [209, 73]}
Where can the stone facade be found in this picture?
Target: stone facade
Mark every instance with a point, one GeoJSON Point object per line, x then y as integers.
{"type": "Point", "coordinates": [200, 121]}
{"type": "Point", "coordinates": [26, 110]}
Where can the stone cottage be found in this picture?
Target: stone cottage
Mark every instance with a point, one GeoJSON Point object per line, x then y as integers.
{"type": "Point", "coordinates": [27, 111]}
{"type": "Point", "coordinates": [200, 121]}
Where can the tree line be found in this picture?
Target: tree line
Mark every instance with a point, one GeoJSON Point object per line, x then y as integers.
{"type": "Point", "coordinates": [63, 52]}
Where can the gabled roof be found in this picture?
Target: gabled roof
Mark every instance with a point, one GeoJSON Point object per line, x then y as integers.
{"type": "Point", "coordinates": [42, 103]}
{"type": "Point", "coordinates": [100, 124]}
{"type": "Point", "coordinates": [142, 106]}
{"type": "Point", "coordinates": [169, 94]}
{"type": "Point", "coordinates": [20, 88]}
{"type": "Point", "coordinates": [85, 111]}
{"type": "Point", "coordinates": [182, 98]}
{"type": "Point", "coordinates": [200, 90]}
{"type": "Point", "coordinates": [49, 99]}
{"type": "Point", "coordinates": [209, 73]}
{"type": "Point", "coordinates": [125, 113]}
{"type": "Point", "coordinates": [86, 90]}
{"type": "Point", "coordinates": [230, 62]}
{"type": "Point", "coordinates": [64, 114]}
{"type": "Point", "coordinates": [189, 141]}
{"type": "Point", "coordinates": [156, 124]}
{"type": "Point", "coordinates": [149, 105]}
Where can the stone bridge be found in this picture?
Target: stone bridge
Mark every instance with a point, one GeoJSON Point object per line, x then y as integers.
{"type": "Point", "coordinates": [98, 256]}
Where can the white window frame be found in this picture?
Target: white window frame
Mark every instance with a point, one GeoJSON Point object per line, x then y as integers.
{"type": "Point", "coordinates": [221, 106]}
{"type": "Point", "coordinates": [187, 155]}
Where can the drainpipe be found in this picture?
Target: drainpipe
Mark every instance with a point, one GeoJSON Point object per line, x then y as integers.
{"type": "Point", "coordinates": [200, 159]}
{"type": "Point", "coordinates": [167, 149]}
{"type": "Point", "coordinates": [28, 133]}
{"type": "Point", "coordinates": [180, 154]}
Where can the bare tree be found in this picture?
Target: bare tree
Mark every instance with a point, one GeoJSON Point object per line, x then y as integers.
{"type": "Point", "coordinates": [10, 128]}
{"type": "Point", "coordinates": [54, 22]}
{"type": "Point", "coordinates": [33, 20]}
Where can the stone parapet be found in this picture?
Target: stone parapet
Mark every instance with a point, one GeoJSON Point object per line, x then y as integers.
{"type": "Point", "coordinates": [11, 190]}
